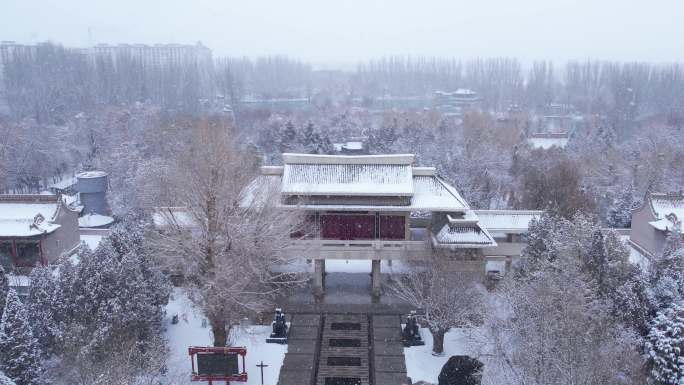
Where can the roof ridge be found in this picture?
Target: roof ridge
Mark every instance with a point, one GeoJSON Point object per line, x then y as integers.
{"type": "Point", "coordinates": [388, 159]}
{"type": "Point", "coordinates": [28, 198]}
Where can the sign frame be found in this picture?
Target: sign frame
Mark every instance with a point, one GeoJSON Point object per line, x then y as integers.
{"type": "Point", "coordinates": [240, 350]}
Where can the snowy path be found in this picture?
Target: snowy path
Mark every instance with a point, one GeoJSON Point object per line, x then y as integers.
{"type": "Point", "coordinates": [189, 332]}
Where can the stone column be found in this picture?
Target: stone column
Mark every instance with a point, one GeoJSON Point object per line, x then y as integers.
{"type": "Point", "coordinates": [319, 276]}
{"type": "Point", "coordinates": [375, 277]}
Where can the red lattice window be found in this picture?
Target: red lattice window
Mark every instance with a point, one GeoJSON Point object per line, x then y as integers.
{"type": "Point", "coordinates": [347, 227]}
{"type": "Point", "coordinates": [392, 227]}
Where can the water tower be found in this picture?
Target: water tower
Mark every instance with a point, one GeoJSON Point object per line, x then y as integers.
{"type": "Point", "coordinates": [92, 189]}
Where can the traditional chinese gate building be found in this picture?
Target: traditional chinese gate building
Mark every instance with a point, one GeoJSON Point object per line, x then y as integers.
{"type": "Point", "coordinates": [382, 207]}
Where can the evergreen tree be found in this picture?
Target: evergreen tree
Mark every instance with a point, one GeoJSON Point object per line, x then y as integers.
{"type": "Point", "coordinates": [4, 288]}
{"type": "Point", "coordinates": [115, 295]}
{"type": "Point", "coordinates": [667, 274]}
{"type": "Point", "coordinates": [67, 300]}
{"type": "Point", "coordinates": [127, 237]}
{"type": "Point", "coordinates": [630, 302]}
{"type": "Point", "coordinates": [596, 261]}
{"type": "Point", "coordinates": [540, 242]}
{"type": "Point", "coordinates": [19, 350]}
{"type": "Point", "coordinates": [4, 380]}
{"type": "Point", "coordinates": [308, 139]}
{"type": "Point", "coordinates": [39, 304]}
{"type": "Point", "coordinates": [665, 346]}
{"type": "Point", "coordinates": [382, 140]}
{"type": "Point", "coordinates": [620, 213]}
{"type": "Point", "coordinates": [287, 137]}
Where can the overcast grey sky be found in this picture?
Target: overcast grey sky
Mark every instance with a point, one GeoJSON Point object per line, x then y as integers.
{"type": "Point", "coordinates": [343, 31]}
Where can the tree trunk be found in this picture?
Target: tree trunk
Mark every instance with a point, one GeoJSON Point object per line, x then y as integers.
{"type": "Point", "coordinates": [218, 330]}
{"type": "Point", "coordinates": [438, 341]}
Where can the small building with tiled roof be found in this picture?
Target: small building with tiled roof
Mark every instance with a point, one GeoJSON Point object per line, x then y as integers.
{"type": "Point", "coordinates": [35, 230]}
{"type": "Point", "coordinates": [659, 215]}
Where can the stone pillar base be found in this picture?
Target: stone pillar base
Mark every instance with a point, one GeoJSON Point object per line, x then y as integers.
{"type": "Point", "coordinates": [319, 277]}
{"type": "Point", "coordinates": [375, 278]}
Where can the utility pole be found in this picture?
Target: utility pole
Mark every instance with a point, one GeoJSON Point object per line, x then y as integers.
{"type": "Point", "coordinates": [262, 366]}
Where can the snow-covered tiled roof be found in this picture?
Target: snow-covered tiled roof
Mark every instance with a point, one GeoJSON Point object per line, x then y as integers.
{"type": "Point", "coordinates": [29, 215]}
{"type": "Point", "coordinates": [365, 175]}
{"type": "Point", "coordinates": [347, 179]}
{"type": "Point", "coordinates": [669, 209]}
{"type": "Point", "coordinates": [95, 220]}
{"type": "Point", "coordinates": [453, 236]}
{"type": "Point", "coordinates": [434, 194]}
{"type": "Point", "coordinates": [507, 221]}
{"type": "Point", "coordinates": [664, 204]}
{"type": "Point", "coordinates": [431, 193]}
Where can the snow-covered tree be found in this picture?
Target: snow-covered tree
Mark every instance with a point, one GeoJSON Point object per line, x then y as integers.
{"type": "Point", "coordinates": [448, 299]}
{"type": "Point", "coordinates": [631, 303]}
{"type": "Point", "coordinates": [666, 274]}
{"type": "Point", "coordinates": [123, 293]}
{"type": "Point", "coordinates": [104, 312]}
{"type": "Point", "coordinates": [40, 302]}
{"type": "Point", "coordinates": [4, 380]}
{"type": "Point", "coordinates": [235, 235]}
{"type": "Point", "coordinates": [314, 141]}
{"type": "Point", "coordinates": [4, 289]}
{"type": "Point", "coordinates": [287, 137]}
{"type": "Point", "coordinates": [19, 350]}
{"type": "Point", "coordinates": [382, 140]}
{"type": "Point", "coordinates": [552, 328]}
{"type": "Point", "coordinates": [541, 241]}
{"type": "Point", "coordinates": [665, 346]}
{"type": "Point", "coordinates": [596, 260]}
{"type": "Point", "coordinates": [620, 213]}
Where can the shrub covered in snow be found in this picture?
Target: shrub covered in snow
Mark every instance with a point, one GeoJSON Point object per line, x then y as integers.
{"type": "Point", "coordinates": [4, 288]}
{"type": "Point", "coordinates": [19, 351]}
{"type": "Point", "coordinates": [4, 380]}
{"type": "Point", "coordinates": [665, 346]}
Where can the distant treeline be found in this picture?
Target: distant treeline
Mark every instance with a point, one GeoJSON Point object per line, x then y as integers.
{"type": "Point", "coordinates": [591, 86]}
{"type": "Point", "coordinates": [50, 81]}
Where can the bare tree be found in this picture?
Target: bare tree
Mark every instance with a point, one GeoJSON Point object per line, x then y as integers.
{"type": "Point", "coordinates": [445, 298]}
{"type": "Point", "coordinates": [550, 329]}
{"type": "Point", "coordinates": [123, 366]}
{"type": "Point", "coordinates": [234, 233]}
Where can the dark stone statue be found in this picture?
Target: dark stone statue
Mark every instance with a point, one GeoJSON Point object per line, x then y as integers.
{"type": "Point", "coordinates": [279, 333]}
{"type": "Point", "coordinates": [410, 334]}
{"type": "Point", "coordinates": [461, 370]}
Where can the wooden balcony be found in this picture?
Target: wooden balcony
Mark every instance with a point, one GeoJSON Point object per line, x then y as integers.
{"type": "Point", "coordinates": [359, 249]}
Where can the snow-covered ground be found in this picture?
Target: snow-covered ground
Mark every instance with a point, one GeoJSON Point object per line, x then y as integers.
{"type": "Point", "coordinates": [421, 365]}
{"type": "Point", "coordinates": [91, 240]}
{"type": "Point", "coordinates": [349, 266]}
{"type": "Point", "coordinates": [635, 256]}
{"type": "Point", "coordinates": [546, 143]}
{"type": "Point", "coordinates": [190, 332]}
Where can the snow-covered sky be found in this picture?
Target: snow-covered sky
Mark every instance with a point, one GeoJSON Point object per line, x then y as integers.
{"type": "Point", "coordinates": [344, 31]}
